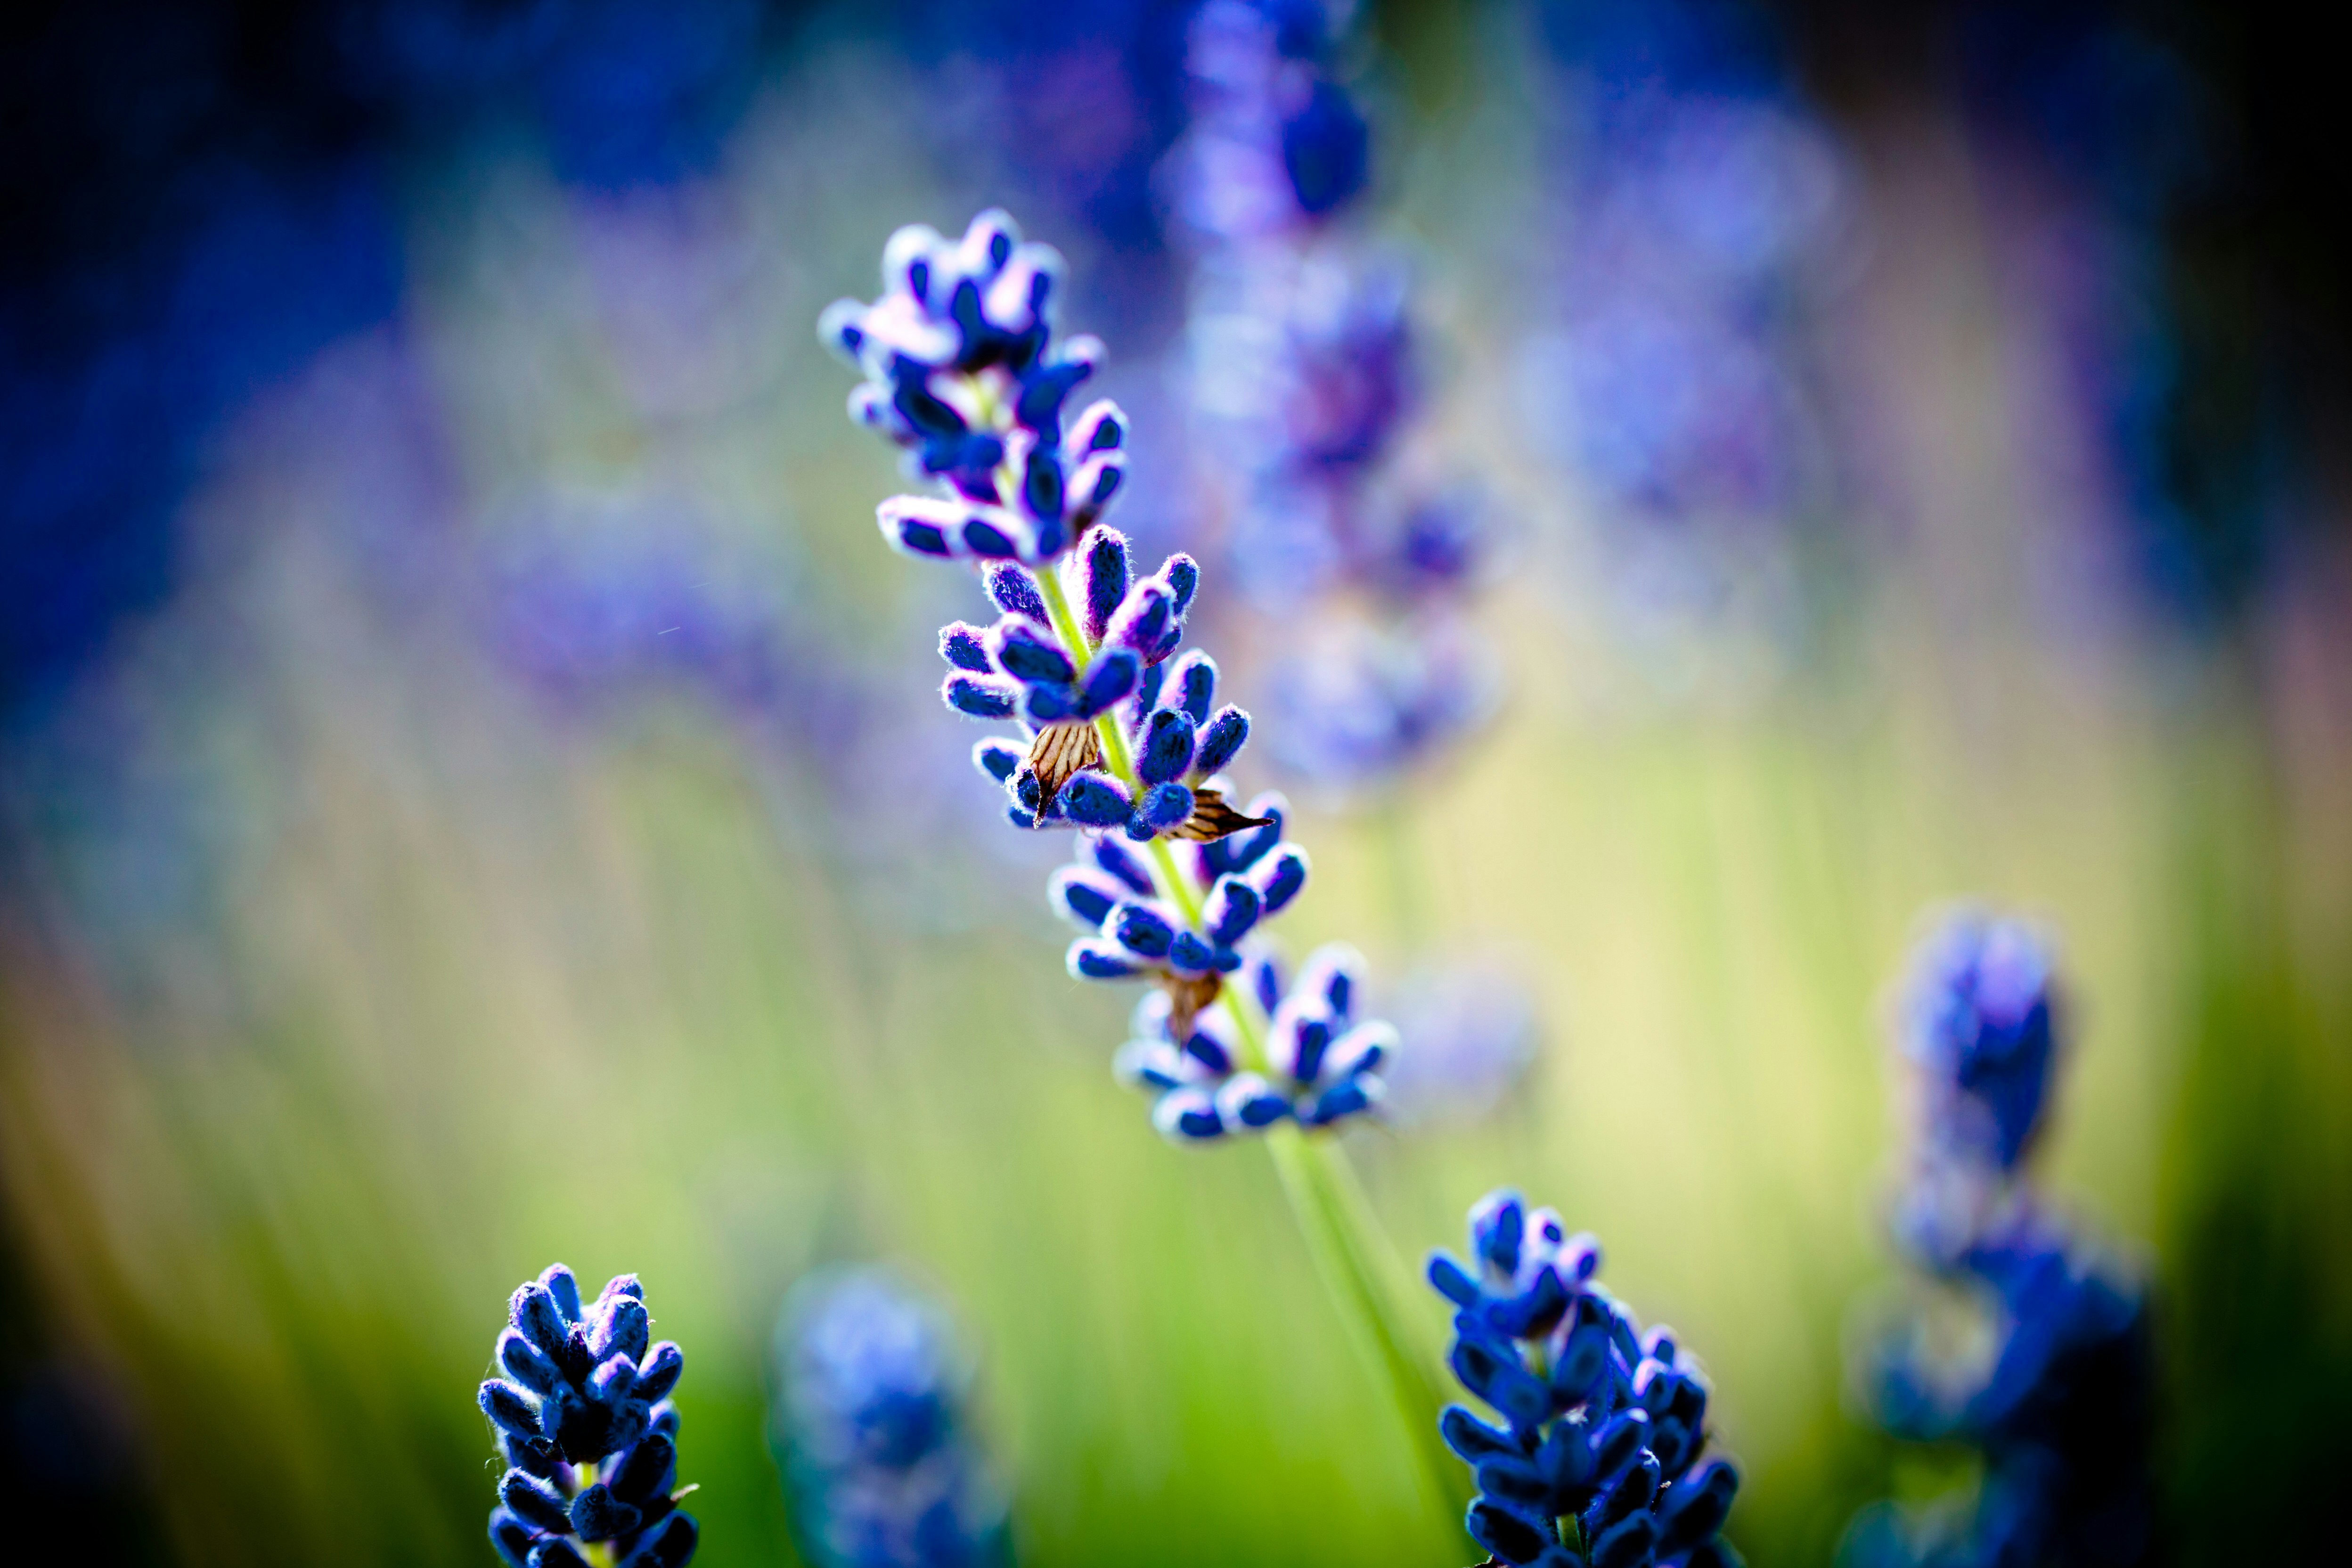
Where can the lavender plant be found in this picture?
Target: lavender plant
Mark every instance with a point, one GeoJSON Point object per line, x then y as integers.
{"type": "Point", "coordinates": [587, 1430]}
{"type": "Point", "coordinates": [1119, 738]}
{"type": "Point", "coordinates": [1599, 1460]}
{"type": "Point", "coordinates": [2060, 1407]}
{"type": "Point", "coordinates": [869, 1427]}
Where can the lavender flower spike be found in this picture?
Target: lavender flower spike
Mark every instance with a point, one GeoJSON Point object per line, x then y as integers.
{"type": "Point", "coordinates": [586, 1427]}
{"type": "Point", "coordinates": [1121, 737]}
{"type": "Point", "coordinates": [870, 1431]}
{"type": "Point", "coordinates": [2062, 1410]}
{"type": "Point", "coordinates": [1603, 1426]}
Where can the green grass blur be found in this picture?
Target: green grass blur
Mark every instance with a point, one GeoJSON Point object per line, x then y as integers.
{"type": "Point", "coordinates": [466, 987]}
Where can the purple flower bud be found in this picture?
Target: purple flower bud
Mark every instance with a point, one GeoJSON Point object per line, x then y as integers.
{"type": "Point", "coordinates": [1122, 863]}
{"type": "Point", "coordinates": [1249, 1101]}
{"type": "Point", "coordinates": [1039, 408]}
{"type": "Point", "coordinates": [1360, 1050]}
{"type": "Point", "coordinates": [1350, 1097]}
{"type": "Point", "coordinates": [1329, 975]}
{"type": "Point", "coordinates": [1100, 428]}
{"type": "Point", "coordinates": [1095, 486]}
{"type": "Point", "coordinates": [619, 1327]}
{"type": "Point", "coordinates": [1456, 1286]}
{"type": "Point", "coordinates": [1209, 1047]}
{"type": "Point", "coordinates": [662, 1366]}
{"type": "Point", "coordinates": [1166, 752]}
{"type": "Point", "coordinates": [1106, 574]}
{"type": "Point", "coordinates": [669, 1544]}
{"type": "Point", "coordinates": [534, 1502]}
{"type": "Point", "coordinates": [1095, 799]}
{"type": "Point", "coordinates": [1188, 1115]}
{"type": "Point", "coordinates": [1183, 574]}
{"type": "Point", "coordinates": [1044, 702]}
{"type": "Point", "coordinates": [1090, 958]}
{"type": "Point", "coordinates": [647, 1471]}
{"type": "Point", "coordinates": [1146, 700]}
{"type": "Point", "coordinates": [1084, 895]}
{"type": "Point", "coordinates": [558, 1553]}
{"type": "Point", "coordinates": [960, 646]}
{"type": "Point", "coordinates": [1108, 681]}
{"type": "Point", "coordinates": [1148, 1064]}
{"type": "Point", "coordinates": [1498, 1223]}
{"type": "Point", "coordinates": [1026, 651]}
{"type": "Point", "coordinates": [1145, 931]}
{"type": "Point", "coordinates": [598, 1515]}
{"type": "Point", "coordinates": [613, 1380]}
{"type": "Point", "coordinates": [527, 1363]}
{"type": "Point", "coordinates": [1234, 907]}
{"type": "Point", "coordinates": [563, 1290]}
{"type": "Point", "coordinates": [535, 1314]}
{"type": "Point", "coordinates": [920, 525]}
{"type": "Point", "coordinates": [1162, 807]}
{"type": "Point", "coordinates": [961, 529]}
{"type": "Point", "coordinates": [504, 1404]}
{"type": "Point", "coordinates": [1190, 954]}
{"type": "Point", "coordinates": [1143, 620]}
{"type": "Point", "coordinates": [1040, 486]}
{"type": "Point", "coordinates": [1266, 981]}
{"type": "Point", "coordinates": [999, 758]}
{"type": "Point", "coordinates": [979, 696]}
{"type": "Point", "coordinates": [1014, 592]}
{"type": "Point", "coordinates": [1240, 851]}
{"type": "Point", "coordinates": [1192, 682]}
{"type": "Point", "coordinates": [839, 329]}
{"type": "Point", "coordinates": [1280, 877]}
{"type": "Point", "coordinates": [1223, 741]}
{"type": "Point", "coordinates": [1299, 1042]}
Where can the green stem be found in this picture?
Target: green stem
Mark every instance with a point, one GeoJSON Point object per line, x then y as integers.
{"type": "Point", "coordinates": [1389, 1335]}
{"type": "Point", "coordinates": [1352, 1254]}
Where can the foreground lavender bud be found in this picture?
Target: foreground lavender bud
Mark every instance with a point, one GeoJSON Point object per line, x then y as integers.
{"type": "Point", "coordinates": [585, 1422]}
{"type": "Point", "coordinates": [868, 1428]}
{"type": "Point", "coordinates": [1603, 1425]}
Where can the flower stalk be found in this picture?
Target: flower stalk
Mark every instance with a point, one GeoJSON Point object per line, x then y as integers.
{"type": "Point", "coordinates": [1121, 739]}
{"type": "Point", "coordinates": [1352, 1255]}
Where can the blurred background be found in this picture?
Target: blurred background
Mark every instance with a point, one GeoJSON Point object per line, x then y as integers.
{"type": "Point", "coordinates": [472, 790]}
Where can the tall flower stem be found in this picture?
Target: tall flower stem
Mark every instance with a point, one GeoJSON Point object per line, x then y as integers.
{"type": "Point", "coordinates": [1359, 1267]}
{"type": "Point", "coordinates": [1353, 1255]}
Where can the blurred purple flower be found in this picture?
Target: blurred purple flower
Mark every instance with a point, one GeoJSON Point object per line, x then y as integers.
{"type": "Point", "coordinates": [1473, 1032]}
{"type": "Point", "coordinates": [1357, 704]}
{"type": "Point", "coordinates": [1667, 379]}
{"type": "Point", "coordinates": [588, 598]}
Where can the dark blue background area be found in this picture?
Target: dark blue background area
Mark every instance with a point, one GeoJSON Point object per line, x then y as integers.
{"type": "Point", "coordinates": [201, 197]}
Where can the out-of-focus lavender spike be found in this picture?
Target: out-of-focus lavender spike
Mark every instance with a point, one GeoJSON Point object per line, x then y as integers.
{"type": "Point", "coordinates": [871, 1432]}
{"type": "Point", "coordinates": [2062, 1409]}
